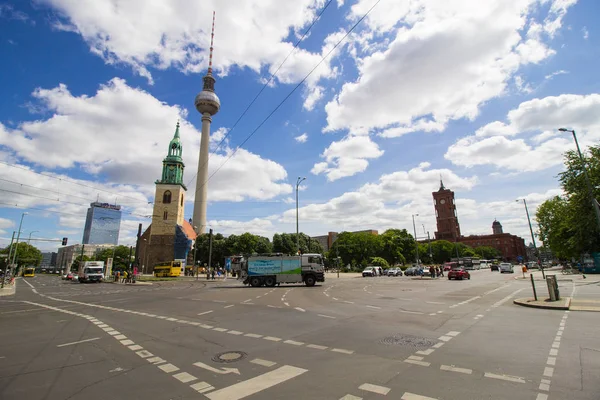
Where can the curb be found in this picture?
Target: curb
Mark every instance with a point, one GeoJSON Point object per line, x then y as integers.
{"type": "Point", "coordinates": [525, 302]}
{"type": "Point", "coordinates": [9, 290]}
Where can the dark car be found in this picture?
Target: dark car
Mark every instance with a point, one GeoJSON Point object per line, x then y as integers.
{"type": "Point", "coordinates": [494, 267]}
{"type": "Point", "coordinates": [458, 273]}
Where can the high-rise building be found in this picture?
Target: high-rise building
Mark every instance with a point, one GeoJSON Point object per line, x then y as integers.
{"type": "Point", "coordinates": [208, 104]}
{"type": "Point", "coordinates": [102, 224]}
{"type": "Point", "coordinates": [48, 259]}
{"type": "Point", "coordinates": [170, 236]}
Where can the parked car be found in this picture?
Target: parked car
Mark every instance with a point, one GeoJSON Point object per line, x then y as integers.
{"type": "Point", "coordinates": [494, 267]}
{"type": "Point", "coordinates": [394, 272]}
{"type": "Point", "coordinates": [411, 271]}
{"type": "Point", "coordinates": [369, 271]}
{"type": "Point", "coordinates": [458, 273]}
{"type": "Point", "coordinates": [506, 267]}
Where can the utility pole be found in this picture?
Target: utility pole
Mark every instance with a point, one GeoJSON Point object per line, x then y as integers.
{"type": "Point", "coordinates": [535, 251]}
{"type": "Point", "coordinates": [297, 230]}
{"type": "Point", "coordinates": [416, 243]}
{"type": "Point", "coordinates": [8, 259]}
{"type": "Point", "coordinates": [195, 251]}
{"type": "Point", "coordinates": [210, 239]}
{"type": "Point", "coordinates": [429, 243]}
{"type": "Point", "coordinates": [18, 237]}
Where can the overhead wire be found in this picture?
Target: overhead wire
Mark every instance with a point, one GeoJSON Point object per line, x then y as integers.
{"type": "Point", "coordinates": [292, 92]}
{"type": "Point", "coordinates": [267, 83]}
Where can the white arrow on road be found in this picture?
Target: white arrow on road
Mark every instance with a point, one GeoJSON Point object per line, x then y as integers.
{"type": "Point", "coordinates": [221, 371]}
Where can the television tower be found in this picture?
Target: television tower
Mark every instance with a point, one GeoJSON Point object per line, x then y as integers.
{"type": "Point", "coordinates": [207, 103]}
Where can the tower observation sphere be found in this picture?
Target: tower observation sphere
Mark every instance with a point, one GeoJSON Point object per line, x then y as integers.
{"type": "Point", "coordinates": [207, 102]}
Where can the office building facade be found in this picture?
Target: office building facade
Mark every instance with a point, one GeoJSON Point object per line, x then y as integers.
{"type": "Point", "coordinates": [102, 224]}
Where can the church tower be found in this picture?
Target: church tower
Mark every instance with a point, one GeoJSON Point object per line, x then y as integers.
{"type": "Point", "coordinates": [169, 237]}
{"type": "Point", "coordinates": [445, 214]}
{"type": "Point", "coordinates": [169, 197]}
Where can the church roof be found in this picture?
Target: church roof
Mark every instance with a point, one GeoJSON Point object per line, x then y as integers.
{"type": "Point", "coordinates": [188, 230]}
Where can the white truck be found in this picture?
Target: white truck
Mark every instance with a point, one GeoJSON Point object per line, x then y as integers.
{"type": "Point", "coordinates": [91, 271]}
{"type": "Point", "coordinates": [274, 269]}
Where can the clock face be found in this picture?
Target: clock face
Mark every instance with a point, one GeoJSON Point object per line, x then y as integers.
{"type": "Point", "coordinates": [171, 168]}
{"type": "Point", "coordinates": [442, 201]}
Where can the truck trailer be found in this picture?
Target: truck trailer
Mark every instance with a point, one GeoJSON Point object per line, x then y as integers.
{"type": "Point", "coordinates": [274, 269]}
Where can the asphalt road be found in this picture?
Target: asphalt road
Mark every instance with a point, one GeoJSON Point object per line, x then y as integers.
{"type": "Point", "coordinates": [350, 338]}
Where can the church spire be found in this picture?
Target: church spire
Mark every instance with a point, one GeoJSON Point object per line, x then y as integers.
{"type": "Point", "coordinates": [173, 166]}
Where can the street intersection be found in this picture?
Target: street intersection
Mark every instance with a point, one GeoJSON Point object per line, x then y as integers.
{"type": "Point", "coordinates": [350, 338]}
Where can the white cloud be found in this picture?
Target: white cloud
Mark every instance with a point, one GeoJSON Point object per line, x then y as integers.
{"type": "Point", "coordinates": [445, 59]}
{"type": "Point", "coordinates": [540, 117]}
{"type": "Point", "coordinates": [302, 138]}
{"type": "Point", "coordinates": [347, 157]}
{"type": "Point", "coordinates": [314, 95]}
{"type": "Point", "coordinates": [585, 32]}
{"type": "Point", "coordinates": [257, 226]}
{"type": "Point", "coordinates": [558, 9]}
{"type": "Point", "coordinates": [5, 223]}
{"type": "Point", "coordinates": [217, 137]}
{"type": "Point", "coordinates": [97, 133]}
{"type": "Point", "coordinates": [522, 86]}
{"type": "Point", "coordinates": [170, 33]}
{"type": "Point", "coordinates": [389, 202]}
{"type": "Point", "coordinates": [555, 73]}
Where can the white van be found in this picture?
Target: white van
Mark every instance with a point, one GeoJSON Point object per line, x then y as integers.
{"type": "Point", "coordinates": [506, 267]}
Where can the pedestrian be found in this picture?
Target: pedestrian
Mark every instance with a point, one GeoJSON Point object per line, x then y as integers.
{"type": "Point", "coordinates": [432, 272]}
{"type": "Point", "coordinates": [212, 272]}
{"type": "Point", "coordinates": [124, 276]}
{"type": "Point", "coordinates": [441, 271]}
{"type": "Point", "coordinates": [117, 277]}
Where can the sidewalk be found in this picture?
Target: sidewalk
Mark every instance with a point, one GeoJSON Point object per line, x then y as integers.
{"type": "Point", "coordinates": [9, 289]}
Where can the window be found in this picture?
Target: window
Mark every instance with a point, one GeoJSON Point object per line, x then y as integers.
{"type": "Point", "coordinates": [181, 199]}
{"type": "Point", "coordinates": [165, 215]}
{"type": "Point", "coordinates": [167, 197]}
{"type": "Point", "coordinates": [434, 201]}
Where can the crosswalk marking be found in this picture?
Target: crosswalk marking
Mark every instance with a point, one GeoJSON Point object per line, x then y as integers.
{"type": "Point", "coordinates": [184, 377]}
{"type": "Point", "coordinates": [254, 385]}
{"type": "Point", "coordinates": [202, 387]}
{"type": "Point", "coordinates": [416, 362]}
{"type": "Point", "coordinates": [350, 397]}
{"type": "Point", "coordinates": [168, 368]}
{"type": "Point", "coordinates": [264, 363]}
{"type": "Point", "coordinates": [412, 396]}
{"type": "Point", "coordinates": [374, 388]}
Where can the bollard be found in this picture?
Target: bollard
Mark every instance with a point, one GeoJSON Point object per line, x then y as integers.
{"type": "Point", "coordinates": [533, 286]}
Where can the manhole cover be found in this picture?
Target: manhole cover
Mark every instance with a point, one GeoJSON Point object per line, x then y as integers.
{"type": "Point", "coordinates": [408, 340]}
{"type": "Point", "coordinates": [229, 356]}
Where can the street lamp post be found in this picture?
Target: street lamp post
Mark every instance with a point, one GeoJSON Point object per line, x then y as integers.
{"type": "Point", "coordinates": [29, 240]}
{"type": "Point", "coordinates": [587, 178]}
{"type": "Point", "coordinates": [535, 252]}
{"type": "Point", "coordinates": [298, 182]}
{"type": "Point", "coordinates": [17, 242]}
{"type": "Point", "coordinates": [416, 243]}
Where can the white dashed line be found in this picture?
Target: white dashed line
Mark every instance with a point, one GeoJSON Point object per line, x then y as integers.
{"type": "Point", "coordinates": [343, 351]}
{"type": "Point", "coordinates": [453, 333]}
{"type": "Point", "coordinates": [220, 329]}
{"type": "Point", "coordinates": [416, 358]}
{"type": "Point", "coordinates": [456, 369]}
{"type": "Point", "coordinates": [504, 377]}
{"type": "Point", "coordinates": [293, 342]}
{"type": "Point", "coordinates": [205, 312]}
{"type": "Point", "coordinates": [417, 362]}
{"type": "Point", "coordinates": [300, 309]}
{"type": "Point", "coordinates": [184, 377]}
{"type": "Point", "coordinates": [253, 335]}
{"type": "Point", "coordinates": [541, 396]}
{"type": "Point", "coordinates": [287, 304]}
{"type": "Point", "coordinates": [411, 312]}
{"type": "Point", "coordinates": [374, 388]}
{"type": "Point", "coordinates": [425, 352]}
{"type": "Point", "coordinates": [548, 371]}
{"type": "Point", "coordinates": [168, 368]}
{"type": "Point", "coordinates": [445, 338]}
{"type": "Point", "coordinates": [325, 316]}
{"type": "Point", "coordinates": [272, 338]}
{"type": "Point", "coordinates": [375, 307]}
{"type": "Point", "coordinates": [80, 341]}
{"type": "Point", "coordinates": [264, 363]}
{"type": "Point", "coordinates": [316, 346]}
{"type": "Point", "coordinates": [229, 306]}
{"type": "Point", "coordinates": [232, 332]}
{"type": "Point", "coordinates": [412, 396]}
{"type": "Point", "coordinates": [350, 397]}
{"type": "Point", "coordinates": [438, 345]}
{"type": "Point", "coordinates": [202, 387]}
{"type": "Point", "coordinates": [349, 302]}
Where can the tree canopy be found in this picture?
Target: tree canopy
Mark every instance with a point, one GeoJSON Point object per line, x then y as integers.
{"type": "Point", "coordinates": [26, 254]}
{"type": "Point", "coordinates": [567, 224]}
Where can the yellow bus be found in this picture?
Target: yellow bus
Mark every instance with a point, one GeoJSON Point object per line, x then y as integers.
{"type": "Point", "coordinates": [167, 269]}
{"type": "Point", "coordinates": [29, 272]}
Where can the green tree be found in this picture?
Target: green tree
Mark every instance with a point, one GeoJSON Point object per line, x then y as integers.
{"type": "Point", "coordinates": [286, 243]}
{"type": "Point", "coordinates": [26, 254]}
{"type": "Point", "coordinates": [119, 254]}
{"type": "Point", "coordinates": [356, 249]}
{"type": "Point", "coordinates": [382, 262]}
{"type": "Point", "coordinates": [75, 265]}
{"type": "Point", "coordinates": [397, 246]}
{"type": "Point", "coordinates": [487, 252]}
{"type": "Point", "coordinates": [556, 229]}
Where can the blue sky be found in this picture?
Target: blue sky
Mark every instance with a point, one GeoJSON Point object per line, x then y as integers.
{"type": "Point", "coordinates": [471, 92]}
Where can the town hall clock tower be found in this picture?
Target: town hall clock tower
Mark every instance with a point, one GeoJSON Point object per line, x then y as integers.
{"type": "Point", "coordinates": [445, 214]}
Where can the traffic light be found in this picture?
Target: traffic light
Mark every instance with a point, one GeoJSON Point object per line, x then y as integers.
{"type": "Point", "coordinates": [64, 241]}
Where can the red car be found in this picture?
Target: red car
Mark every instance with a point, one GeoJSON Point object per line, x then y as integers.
{"type": "Point", "coordinates": [458, 273]}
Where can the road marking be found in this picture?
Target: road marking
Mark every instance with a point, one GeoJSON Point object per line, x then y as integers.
{"type": "Point", "coordinates": [325, 316]}
{"type": "Point", "coordinates": [126, 342]}
{"type": "Point", "coordinates": [335, 298]}
{"type": "Point", "coordinates": [556, 345]}
{"type": "Point", "coordinates": [417, 358]}
{"type": "Point", "coordinates": [229, 306]}
{"type": "Point", "coordinates": [80, 341]}
{"type": "Point", "coordinates": [438, 345]}
{"type": "Point", "coordinates": [273, 306]}
{"type": "Point", "coordinates": [316, 346]}
{"type": "Point", "coordinates": [432, 313]}
{"type": "Point", "coordinates": [264, 363]}
{"type": "Point", "coordinates": [551, 361]}
{"type": "Point", "coordinates": [553, 352]}
{"type": "Point", "coordinates": [349, 302]}
{"type": "Point", "coordinates": [256, 384]}
{"type": "Point", "coordinates": [120, 337]}
{"type": "Point", "coordinates": [504, 377]}
{"type": "Point", "coordinates": [293, 342]}
{"type": "Point", "coordinates": [184, 377]}
{"type": "Point", "coordinates": [168, 368]}
{"type": "Point", "coordinates": [343, 351]}
{"type": "Point", "coordinates": [232, 332]}
{"type": "Point", "coordinates": [135, 347]}
{"type": "Point", "coordinates": [425, 352]}
{"type": "Point", "coordinates": [219, 301]}
{"type": "Point", "coordinates": [144, 354]}
{"type": "Point", "coordinates": [351, 397]}
{"type": "Point", "coordinates": [220, 329]}
{"type": "Point", "coordinates": [247, 301]}
{"type": "Point", "coordinates": [456, 369]}
{"type": "Point", "coordinates": [548, 371]}
{"type": "Point", "coordinates": [221, 371]}
{"type": "Point", "coordinates": [272, 338]}
{"type": "Point", "coordinates": [253, 335]}
{"type": "Point", "coordinates": [378, 308]}
{"type": "Point", "coordinates": [434, 302]}
{"type": "Point", "coordinates": [412, 396]}
{"type": "Point", "coordinates": [374, 388]}
{"type": "Point", "coordinates": [202, 387]}
{"type": "Point", "coordinates": [453, 333]}
{"type": "Point", "coordinates": [544, 386]}
{"type": "Point", "coordinates": [416, 362]}
{"type": "Point", "coordinates": [445, 338]}
{"type": "Point", "coordinates": [300, 309]}
{"type": "Point", "coordinates": [205, 312]}
{"type": "Point", "coordinates": [541, 396]}
{"type": "Point", "coordinates": [156, 360]}
{"type": "Point", "coordinates": [411, 312]}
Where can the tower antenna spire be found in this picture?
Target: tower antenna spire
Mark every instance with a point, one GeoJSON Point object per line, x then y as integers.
{"type": "Point", "coordinates": [212, 37]}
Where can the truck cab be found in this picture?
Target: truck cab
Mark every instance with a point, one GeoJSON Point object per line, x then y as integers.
{"type": "Point", "coordinates": [91, 271]}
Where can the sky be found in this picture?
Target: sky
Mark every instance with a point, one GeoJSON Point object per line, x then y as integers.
{"type": "Point", "coordinates": [371, 101]}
